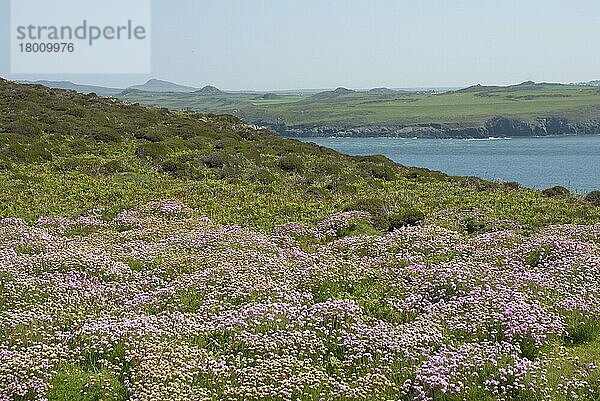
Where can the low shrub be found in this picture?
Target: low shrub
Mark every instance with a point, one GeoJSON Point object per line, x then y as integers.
{"type": "Point", "coordinates": [179, 169]}
{"type": "Point", "coordinates": [474, 225]}
{"type": "Point", "coordinates": [291, 163]}
{"type": "Point", "coordinates": [155, 151]}
{"type": "Point", "coordinates": [105, 135]}
{"type": "Point", "coordinates": [378, 209]}
{"type": "Point", "coordinates": [328, 167]}
{"type": "Point", "coordinates": [214, 159]}
{"type": "Point", "coordinates": [409, 217]}
{"type": "Point", "coordinates": [113, 166]}
{"type": "Point", "coordinates": [381, 172]}
{"type": "Point", "coordinates": [263, 175]}
{"type": "Point", "coordinates": [36, 151]}
{"type": "Point", "coordinates": [512, 185]}
{"type": "Point", "coordinates": [371, 205]}
{"type": "Point", "coordinates": [556, 192]}
{"type": "Point", "coordinates": [26, 127]}
{"type": "Point", "coordinates": [593, 198]}
{"type": "Point", "coordinates": [149, 135]}
{"type": "Point", "coordinates": [476, 183]}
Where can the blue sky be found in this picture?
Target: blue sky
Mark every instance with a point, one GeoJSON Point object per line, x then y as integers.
{"type": "Point", "coordinates": [283, 44]}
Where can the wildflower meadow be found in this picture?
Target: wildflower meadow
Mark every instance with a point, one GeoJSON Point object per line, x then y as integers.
{"type": "Point", "coordinates": [160, 303]}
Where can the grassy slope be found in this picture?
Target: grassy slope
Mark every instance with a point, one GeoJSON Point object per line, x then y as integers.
{"type": "Point", "coordinates": [463, 108]}
{"type": "Point", "coordinates": [63, 153]}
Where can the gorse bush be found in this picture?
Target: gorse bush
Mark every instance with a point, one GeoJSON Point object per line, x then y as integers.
{"type": "Point", "coordinates": [511, 185]}
{"type": "Point", "coordinates": [24, 126]}
{"type": "Point", "coordinates": [593, 198]}
{"type": "Point", "coordinates": [409, 217]}
{"type": "Point", "coordinates": [291, 163]}
{"type": "Point", "coordinates": [216, 159]}
{"type": "Point", "coordinates": [474, 225]}
{"type": "Point", "coordinates": [556, 191]}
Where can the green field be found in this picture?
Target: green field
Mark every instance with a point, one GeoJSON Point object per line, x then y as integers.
{"type": "Point", "coordinates": [469, 107]}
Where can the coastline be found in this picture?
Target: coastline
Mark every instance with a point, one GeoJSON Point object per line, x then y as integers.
{"type": "Point", "coordinates": [496, 127]}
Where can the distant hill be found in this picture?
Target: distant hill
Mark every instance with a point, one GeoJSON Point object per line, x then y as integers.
{"type": "Point", "coordinates": [593, 83]}
{"type": "Point", "coordinates": [209, 90]}
{"type": "Point", "coordinates": [158, 85]}
{"type": "Point", "coordinates": [334, 93]}
{"type": "Point", "coordinates": [130, 91]}
{"type": "Point", "coordinates": [527, 109]}
{"type": "Point", "coordinates": [382, 91]}
{"type": "Point", "coordinates": [98, 90]}
{"type": "Point", "coordinates": [523, 85]}
{"type": "Point", "coordinates": [152, 85]}
{"type": "Point", "coordinates": [537, 85]}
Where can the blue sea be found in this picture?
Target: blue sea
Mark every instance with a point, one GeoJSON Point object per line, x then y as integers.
{"type": "Point", "coordinates": [570, 161]}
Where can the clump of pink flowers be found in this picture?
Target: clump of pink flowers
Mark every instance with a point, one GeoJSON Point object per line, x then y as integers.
{"type": "Point", "coordinates": [171, 306]}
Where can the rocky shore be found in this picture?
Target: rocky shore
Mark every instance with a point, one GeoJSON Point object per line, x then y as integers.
{"type": "Point", "coordinates": [494, 127]}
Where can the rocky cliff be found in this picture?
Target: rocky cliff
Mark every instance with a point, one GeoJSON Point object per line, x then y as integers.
{"type": "Point", "coordinates": [494, 127]}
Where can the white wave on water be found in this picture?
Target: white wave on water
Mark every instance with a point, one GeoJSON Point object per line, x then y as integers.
{"type": "Point", "coordinates": [489, 138]}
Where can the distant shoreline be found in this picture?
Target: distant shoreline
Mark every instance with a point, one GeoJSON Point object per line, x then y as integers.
{"type": "Point", "coordinates": [495, 127]}
{"type": "Point", "coordinates": [446, 138]}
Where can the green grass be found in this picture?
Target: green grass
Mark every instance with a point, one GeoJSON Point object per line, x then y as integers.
{"type": "Point", "coordinates": [63, 153]}
{"type": "Point", "coordinates": [471, 107]}
{"type": "Point", "coordinates": [569, 360]}
{"type": "Point", "coordinates": [72, 383]}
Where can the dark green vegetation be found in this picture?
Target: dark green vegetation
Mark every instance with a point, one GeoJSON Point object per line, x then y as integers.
{"type": "Point", "coordinates": [530, 109]}
{"type": "Point", "coordinates": [556, 191]}
{"type": "Point", "coordinates": [593, 197]}
{"type": "Point", "coordinates": [63, 153]}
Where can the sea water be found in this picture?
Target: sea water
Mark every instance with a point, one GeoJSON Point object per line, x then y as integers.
{"type": "Point", "coordinates": [536, 162]}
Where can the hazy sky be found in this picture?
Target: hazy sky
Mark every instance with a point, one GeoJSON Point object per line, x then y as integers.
{"type": "Point", "coordinates": [283, 44]}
